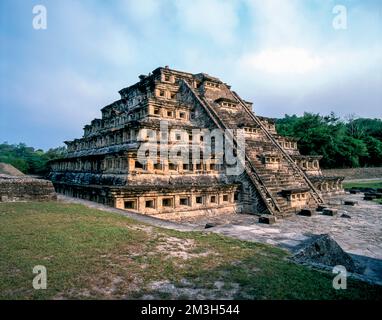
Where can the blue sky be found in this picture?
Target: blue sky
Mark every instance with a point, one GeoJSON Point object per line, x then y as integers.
{"type": "Point", "coordinates": [285, 56]}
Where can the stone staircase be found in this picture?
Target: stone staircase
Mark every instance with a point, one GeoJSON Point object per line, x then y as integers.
{"type": "Point", "coordinates": [315, 197]}
{"type": "Point", "coordinates": [277, 180]}
{"type": "Point", "coordinates": [269, 182]}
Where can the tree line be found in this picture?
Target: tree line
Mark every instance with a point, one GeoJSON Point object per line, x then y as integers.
{"type": "Point", "coordinates": [27, 159]}
{"type": "Point", "coordinates": [344, 143]}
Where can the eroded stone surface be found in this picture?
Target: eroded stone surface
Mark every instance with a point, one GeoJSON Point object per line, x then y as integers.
{"type": "Point", "coordinates": [267, 219]}
{"type": "Point", "coordinates": [24, 188]}
{"type": "Point", "coordinates": [322, 250]}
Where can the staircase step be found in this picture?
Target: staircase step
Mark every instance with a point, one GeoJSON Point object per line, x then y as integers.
{"type": "Point", "coordinates": [285, 177]}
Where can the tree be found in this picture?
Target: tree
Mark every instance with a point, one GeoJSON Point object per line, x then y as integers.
{"type": "Point", "coordinates": [342, 144]}
{"type": "Point", "coordinates": [374, 152]}
{"type": "Point", "coordinates": [27, 159]}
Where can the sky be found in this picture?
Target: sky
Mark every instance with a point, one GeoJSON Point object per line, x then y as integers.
{"type": "Point", "coordinates": [286, 57]}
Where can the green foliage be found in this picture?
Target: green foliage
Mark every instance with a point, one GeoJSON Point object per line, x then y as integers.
{"type": "Point", "coordinates": [363, 127]}
{"type": "Point", "coordinates": [374, 151]}
{"type": "Point", "coordinates": [27, 159]}
{"type": "Point", "coordinates": [357, 142]}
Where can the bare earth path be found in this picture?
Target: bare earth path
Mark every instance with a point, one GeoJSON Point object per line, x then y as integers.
{"type": "Point", "coordinates": [361, 235]}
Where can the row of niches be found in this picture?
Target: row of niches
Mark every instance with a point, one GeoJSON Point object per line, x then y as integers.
{"type": "Point", "coordinates": [139, 114]}
{"type": "Point", "coordinates": [169, 113]}
{"type": "Point", "coordinates": [116, 121]}
{"type": "Point", "coordinates": [143, 112]}
{"type": "Point", "coordinates": [228, 105]}
{"type": "Point", "coordinates": [124, 164]}
{"type": "Point", "coordinates": [165, 94]}
{"type": "Point", "coordinates": [172, 79]}
{"type": "Point", "coordinates": [298, 196]}
{"type": "Point", "coordinates": [100, 141]}
{"type": "Point", "coordinates": [308, 164]}
{"type": "Point", "coordinates": [275, 162]}
{"type": "Point", "coordinates": [169, 78]}
{"type": "Point", "coordinates": [288, 144]}
{"type": "Point", "coordinates": [91, 165]}
{"type": "Point", "coordinates": [252, 131]}
{"type": "Point", "coordinates": [298, 199]}
{"type": "Point", "coordinates": [126, 135]}
{"type": "Point", "coordinates": [122, 106]}
{"type": "Point", "coordinates": [202, 167]}
{"type": "Point", "coordinates": [110, 117]}
{"type": "Point", "coordinates": [185, 201]}
{"type": "Point", "coordinates": [268, 125]}
{"type": "Point", "coordinates": [180, 136]}
{"type": "Point", "coordinates": [271, 162]}
{"type": "Point", "coordinates": [271, 159]}
{"type": "Point", "coordinates": [211, 85]}
{"type": "Point", "coordinates": [327, 186]}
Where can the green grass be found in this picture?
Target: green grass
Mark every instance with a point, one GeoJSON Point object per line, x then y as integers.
{"type": "Point", "coordinates": [91, 254]}
{"type": "Point", "coordinates": [363, 184]}
{"type": "Point", "coordinates": [375, 184]}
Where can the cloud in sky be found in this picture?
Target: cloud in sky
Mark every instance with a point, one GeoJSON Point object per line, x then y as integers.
{"type": "Point", "coordinates": [283, 55]}
{"type": "Point", "coordinates": [214, 19]}
{"type": "Point", "coordinates": [283, 60]}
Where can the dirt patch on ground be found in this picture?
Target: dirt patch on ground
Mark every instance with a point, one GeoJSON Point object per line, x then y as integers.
{"type": "Point", "coordinates": [187, 290]}
{"type": "Point", "coordinates": [145, 228]}
{"type": "Point", "coordinates": [184, 249]}
{"type": "Point", "coordinates": [107, 287]}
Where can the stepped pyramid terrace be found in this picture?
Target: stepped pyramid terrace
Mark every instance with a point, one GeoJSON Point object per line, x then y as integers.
{"type": "Point", "coordinates": [178, 144]}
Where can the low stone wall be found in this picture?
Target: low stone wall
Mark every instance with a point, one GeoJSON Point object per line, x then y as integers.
{"type": "Point", "coordinates": [23, 188]}
{"type": "Point", "coordinates": [355, 173]}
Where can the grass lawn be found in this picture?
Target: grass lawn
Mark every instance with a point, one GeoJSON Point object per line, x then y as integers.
{"type": "Point", "coordinates": [92, 254]}
{"type": "Point", "coordinates": [363, 184]}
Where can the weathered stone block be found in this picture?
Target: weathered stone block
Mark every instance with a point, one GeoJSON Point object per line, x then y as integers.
{"type": "Point", "coordinates": [24, 188]}
{"type": "Point", "coordinates": [350, 203]}
{"type": "Point", "coordinates": [344, 215]}
{"type": "Point", "coordinates": [369, 197]}
{"type": "Point", "coordinates": [267, 219]}
{"type": "Point", "coordinates": [320, 208]}
{"type": "Point", "coordinates": [329, 212]}
{"type": "Point", "coordinates": [307, 213]}
{"type": "Point", "coordinates": [323, 250]}
{"type": "Point", "coordinates": [370, 193]}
